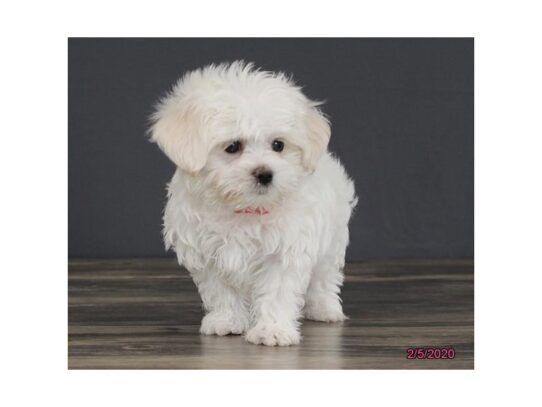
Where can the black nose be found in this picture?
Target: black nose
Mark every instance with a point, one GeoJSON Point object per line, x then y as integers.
{"type": "Point", "coordinates": [263, 176]}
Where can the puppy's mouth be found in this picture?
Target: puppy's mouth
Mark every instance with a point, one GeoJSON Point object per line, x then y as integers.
{"type": "Point", "coordinates": [261, 189]}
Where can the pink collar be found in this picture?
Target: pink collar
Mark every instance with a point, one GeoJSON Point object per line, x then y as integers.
{"type": "Point", "coordinates": [253, 211]}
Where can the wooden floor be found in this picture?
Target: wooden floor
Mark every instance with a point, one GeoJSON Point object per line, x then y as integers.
{"type": "Point", "coordinates": [145, 314]}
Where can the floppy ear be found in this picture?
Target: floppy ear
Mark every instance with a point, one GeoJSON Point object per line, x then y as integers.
{"type": "Point", "coordinates": [318, 133]}
{"type": "Point", "coordinates": [179, 131]}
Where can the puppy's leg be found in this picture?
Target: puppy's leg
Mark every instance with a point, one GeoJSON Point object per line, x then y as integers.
{"type": "Point", "coordinates": [277, 304]}
{"type": "Point", "coordinates": [322, 302]}
{"type": "Point", "coordinates": [226, 311]}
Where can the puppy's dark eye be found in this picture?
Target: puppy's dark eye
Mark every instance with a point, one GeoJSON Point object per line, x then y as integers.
{"type": "Point", "coordinates": [278, 146]}
{"type": "Point", "coordinates": [233, 147]}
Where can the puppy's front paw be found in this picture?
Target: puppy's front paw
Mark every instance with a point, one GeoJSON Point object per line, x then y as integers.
{"type": "Point", "coordinates": [220, 323]}
{"type": "Point", "coordinates": [324, 310]}
{"type": "Point", "coordinates": [273, 335]}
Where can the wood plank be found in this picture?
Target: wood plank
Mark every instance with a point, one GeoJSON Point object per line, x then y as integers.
{"type": "Point", "coordinates": [145, 314]}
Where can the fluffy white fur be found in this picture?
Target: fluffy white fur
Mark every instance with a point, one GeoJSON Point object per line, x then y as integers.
{"type": "Point", "coordinates": [257, 274]}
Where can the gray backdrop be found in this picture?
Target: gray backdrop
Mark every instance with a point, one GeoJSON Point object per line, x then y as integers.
{"type": "Point", "coordinates": [402, 112]}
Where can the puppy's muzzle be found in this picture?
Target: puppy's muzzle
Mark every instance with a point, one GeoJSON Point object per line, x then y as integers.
{"type": "Point", "coordinates": [263, 175]}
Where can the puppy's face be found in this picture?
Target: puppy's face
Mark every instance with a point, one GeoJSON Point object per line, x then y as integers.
{"type": "Point", "coordinates": [249, 137]}
{"type": "Point", "coordinates": [253, 171]}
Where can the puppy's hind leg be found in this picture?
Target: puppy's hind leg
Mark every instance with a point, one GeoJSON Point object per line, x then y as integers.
{"type": "Point", "coordinates": [322, 302]}
{"type": "Point", "coordinates": [226, 311]}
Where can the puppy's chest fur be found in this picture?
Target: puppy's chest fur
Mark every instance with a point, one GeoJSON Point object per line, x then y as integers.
{"type": "Point", "coordinates": [234, 245]}
{"type": "Point", "coordinates": [237, 248]}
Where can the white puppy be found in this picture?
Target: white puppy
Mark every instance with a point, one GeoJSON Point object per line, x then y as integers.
{"type": "Point", "coordinates": [257, 210]}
